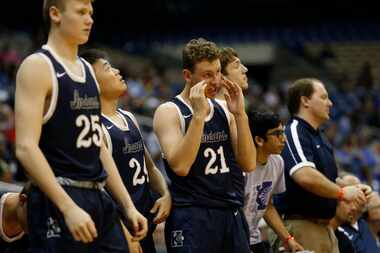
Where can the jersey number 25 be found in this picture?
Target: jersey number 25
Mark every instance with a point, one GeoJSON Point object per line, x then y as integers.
{"type": "Point", "coordinates": [90, 125]}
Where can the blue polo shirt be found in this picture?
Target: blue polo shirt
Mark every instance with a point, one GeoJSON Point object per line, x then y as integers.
{"type": "Point", "coordinates": [306, 147]}
{"type": "Point", "coordinates": [361, 237]}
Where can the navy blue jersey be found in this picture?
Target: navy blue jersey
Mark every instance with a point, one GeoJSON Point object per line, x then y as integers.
{"type": "Point", "coordinates": [214, 179]}
{"type": "Point", "coordinates": [71, 133]}
{"type": "Point", "coordinates": [127, 148]}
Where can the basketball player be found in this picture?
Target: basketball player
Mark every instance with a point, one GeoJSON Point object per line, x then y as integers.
{"type": "Point", "coordinates": [124, 141]}
{"type": "Point", "coordinates": [232, 69]}
{"type": "Point", "coordinates": [203, 145]}
{"type": "Point", "coordinates": [59, 142]}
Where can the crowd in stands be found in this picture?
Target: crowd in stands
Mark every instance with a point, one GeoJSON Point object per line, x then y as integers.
{"type": "Point", "coordinates": [354, 129]}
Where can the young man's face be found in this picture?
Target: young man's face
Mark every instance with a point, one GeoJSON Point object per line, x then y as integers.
{"type": "Point", "coordinates": [236, 72]}
{"type": "Point", "coordinates": [75, 20]}
{"type": "Point", "coordinates": [275, 140]}
{"type": "Point", "coordinates": [209, 71]}
{"type": "Point", "coordinates": [112, 84]}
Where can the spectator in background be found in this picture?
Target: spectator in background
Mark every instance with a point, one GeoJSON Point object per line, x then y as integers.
{"type": "Point", "coordinates": [372, 215]}
{"type": "Point", "coordinates": [310, 169]}
{"type": "Point", "coordinates": [357, 229]}
{"type": "Point", "coordinates": [268, 178]}
{"type": "Point", "coordinates": [345, 212]}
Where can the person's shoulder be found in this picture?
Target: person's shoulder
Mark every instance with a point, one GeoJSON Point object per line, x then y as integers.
{"type": "Point", "coordinates": [35, 60]}
{"type": "Point", "coordinates": [34, 63]}
{"type": "Point", "coordinates": [166, 108]}
{"type": "Point", "coordinates": [277, 160]}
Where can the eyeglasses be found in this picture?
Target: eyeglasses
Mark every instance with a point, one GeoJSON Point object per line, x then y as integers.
{"type": "Point", "coordinates": [277, 133]}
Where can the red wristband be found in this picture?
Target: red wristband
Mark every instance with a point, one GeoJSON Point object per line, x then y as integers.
{"type": "Point", "coordinates": [341, 194]}
{"type": "Point", "coordinates": [290, 237]}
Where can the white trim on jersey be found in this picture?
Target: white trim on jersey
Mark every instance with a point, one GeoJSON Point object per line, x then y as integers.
{"type": "Point", "coordinates": [223, 104]}
{"type": "Point", "coordinates": [181, 119]}
{"type": "Point", "coordinates": [209, 116]}
{"type": "Point", "coordinates": [54, 94]}
{"type": "Point", "coordinates": [74, 77]}
{"type": "Point", "coordinates": [183, 101]}
{"type": "Point", "coordinates": [122, 128]}
{"type": "Point", "coordinates": [108, 138]}
{"type": "Point", "coordinates": [133, 118]}
{"type": "Point", "coordinates": [2, 233]}
{"type": "Point", "coordinates": [299, 166]}
{"type": "Point", "coordinates": [93, 74]}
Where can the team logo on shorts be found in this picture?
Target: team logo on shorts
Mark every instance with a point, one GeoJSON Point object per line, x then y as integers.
{"type": "Point", "coordinates": [53, 229]}
{"type": "Point", "coordinates": [177, 238]}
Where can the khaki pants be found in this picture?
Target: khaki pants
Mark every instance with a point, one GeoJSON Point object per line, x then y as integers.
{"type": "Point", "coordinates": [312, 235]}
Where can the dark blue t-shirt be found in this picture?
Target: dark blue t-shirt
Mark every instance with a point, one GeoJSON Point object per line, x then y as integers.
{"type": "Point", "coordinates": [361, 238]}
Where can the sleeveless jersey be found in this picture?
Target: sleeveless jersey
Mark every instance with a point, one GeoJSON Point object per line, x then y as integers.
{"type": "Point", "coordinates": [127, 148]}
{"type": "Point", "coordinates": [71, 133]}
{"type": "Point", "coordinates": [214, 179]}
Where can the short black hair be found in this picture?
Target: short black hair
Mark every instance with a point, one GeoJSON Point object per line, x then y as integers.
{"type": "Point", "coordinates": [262, 121]}
{"type": "Point", "coordinates": [92, 55]}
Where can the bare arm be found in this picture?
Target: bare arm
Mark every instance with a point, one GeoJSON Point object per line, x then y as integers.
{"type": "Point", "coordinates": [31, 93]}
{"type": "Point", "coordinates": [157, 182]}
{"type": "Point", "coordinates": [314, 181]}
{"type": "Point", "coordinates": [156, 179]}
{"type": "Point", "coordinates": [274, 220]}
{"type": "Point", "coordinates": [180, 151]}
{"type": "Point", "coordinates": [114, 183]}
{"type": "Point", "coordinates": [242, 142]}
{"type": "Point", "coordinates": [243, 145]}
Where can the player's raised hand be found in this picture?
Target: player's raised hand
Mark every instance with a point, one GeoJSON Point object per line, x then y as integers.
{"type": "Point", "coordinates": [198, 99]}
{"type": "Point", "coordinates": [234, 96]}
{"type": "Point", "coordinates": [162, 207]}
{"type": "Point", "coordinates": [138, 224]}
{"type": "Point", "coordinates": [80, 224]}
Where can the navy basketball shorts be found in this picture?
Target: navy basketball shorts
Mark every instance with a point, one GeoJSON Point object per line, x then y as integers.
{"type": "Point", "coordinates": [48, 232]}
{"type": "Point", "coordinates": [208, 230]}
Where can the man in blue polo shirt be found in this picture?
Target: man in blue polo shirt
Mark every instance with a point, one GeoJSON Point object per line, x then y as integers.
{"type": "Point", "coordinates": [310, 170]}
